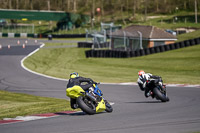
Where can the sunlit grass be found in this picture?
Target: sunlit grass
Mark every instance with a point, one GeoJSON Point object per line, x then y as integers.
{"type": "Point", "coordinates": [15, 104]}
{"type": "Point", "coordinates": [177, 66]}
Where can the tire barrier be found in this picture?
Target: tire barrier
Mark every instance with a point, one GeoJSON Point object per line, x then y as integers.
{"type": "Point", "coordinates": [177, 45]}
{"type": "Point", "coordinates": [197, 40]}
{"type": "Point", "coordinates": [171, 46]}
{"type": "Point", "coordinates": [137, 53]}
{"type": "Point", "coordinates": [152, 50]}
{"type": "Point", "coordinates": [141, 52]}
{"type": "Point", "coordinates": [132, 53]}
{"type": "Point", "coordinates": [85, 44]}
{"type": "Point", "coordinates": [147, 51]}
{"type": "Point", "coordinates": [187, 43]}
{"type": "Point", "coordinates": [89, 45]}
{"type": "Point", "coordinates": [167, 47]}
{"type": "Point", "coordinates": [69, 36]}
{"type": "Point", "coordinates": [192, 42]}
{"type": "Point", "coordinates": [182, 45]}
{"type": "Point", "coordinates": [162, 48]}
{"type": "Point", "coordinates": [157, 49]}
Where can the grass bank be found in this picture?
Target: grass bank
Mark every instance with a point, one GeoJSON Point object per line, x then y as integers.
{"type": "Point", "coordinates": [188, 36]}
{"type": "Point", "coordinates": [15, 104]}
{"type": "Point", "coordinates": [177, 66]}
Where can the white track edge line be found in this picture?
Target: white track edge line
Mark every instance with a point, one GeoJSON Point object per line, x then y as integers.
{"type": "Point", "coordinates": [51, 77]}
{"type": "Point", "coordinates": [22, 65]}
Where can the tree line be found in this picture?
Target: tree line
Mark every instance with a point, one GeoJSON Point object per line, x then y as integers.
{"type": "Point", "coordinates": [106, 7]}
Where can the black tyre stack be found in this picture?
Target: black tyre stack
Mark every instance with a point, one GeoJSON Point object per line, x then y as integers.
{"type": "Point", "coordinates": [137, 53]}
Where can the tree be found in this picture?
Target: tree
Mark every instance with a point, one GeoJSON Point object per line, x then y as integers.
{"type": "Point", "coordinates": [49, 5]}
{"type": "Point", "coordinates": [195, 6]}
{"type": "Point", "coordinates": [31, 4]}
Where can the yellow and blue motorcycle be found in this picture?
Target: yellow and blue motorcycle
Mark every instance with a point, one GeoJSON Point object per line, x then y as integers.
{"type": "Point", "coordinates": [90, 101]}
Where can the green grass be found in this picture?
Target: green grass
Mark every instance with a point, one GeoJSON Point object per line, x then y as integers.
{"type": "Point", "coordinates": [15, 104]}
{"type": "Point", "coordinates": [177, 66]}
{"type": "Point", "coordinates": [188, 36]}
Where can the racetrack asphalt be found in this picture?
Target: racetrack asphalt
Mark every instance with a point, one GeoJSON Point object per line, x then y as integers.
{"type": "Point", "coordinates": [132, 111]}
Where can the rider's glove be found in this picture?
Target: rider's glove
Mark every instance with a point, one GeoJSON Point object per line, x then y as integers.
{"type": "Point", "coordinates": [160, 83]}
{"type": "Point", "coordinates": [94, 82]}
{"type": "Point", "coordinates": [144, 85]}
{"type": "Point", "coordinates": [91, 89]}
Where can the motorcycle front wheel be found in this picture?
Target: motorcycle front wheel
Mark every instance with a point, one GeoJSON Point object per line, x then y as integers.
{"type": "Point", "coordinates": [86, 105]}
{"type": "Point", "coordinates": [109, 108]}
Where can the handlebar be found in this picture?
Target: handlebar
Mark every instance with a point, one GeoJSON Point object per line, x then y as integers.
{"type": "Point", "coordinates": [96, 83]}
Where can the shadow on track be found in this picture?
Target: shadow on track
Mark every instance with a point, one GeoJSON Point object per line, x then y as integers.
{"type": "Point", "coordinates": [72, 114]}
{"type": "Point", "coordinates": [146, 102]}
{"type": "Point", "coordinates": [76, 113]}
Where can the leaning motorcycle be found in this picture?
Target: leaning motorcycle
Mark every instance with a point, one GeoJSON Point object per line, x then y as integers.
{"type": "Point", "coordinates": [158, 90]}
{"type": "Point", "coordinates": [90, 101]}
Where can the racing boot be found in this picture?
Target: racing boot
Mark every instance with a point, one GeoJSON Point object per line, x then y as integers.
{"type": "Point", "coordinates": [147, 93]}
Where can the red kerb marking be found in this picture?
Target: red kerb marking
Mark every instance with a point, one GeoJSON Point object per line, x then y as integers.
{"type": "Point", "coordinates": [46, 115]}
{"type": "Point", "coordinates": [68, 112]}
{"type": "Point", "coordinates": [8, 121]}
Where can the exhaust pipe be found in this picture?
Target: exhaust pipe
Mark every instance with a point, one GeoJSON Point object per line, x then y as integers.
{"type": "Point", "coordinates": [90, 96]}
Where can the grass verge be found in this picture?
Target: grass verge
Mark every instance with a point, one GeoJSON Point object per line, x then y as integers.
{"type": "Point", "coordinates": [15, 104]}
{"type": "Point", "coordinates": [188, 36]}
{"type": "Point", "coordinates": [177, 66]}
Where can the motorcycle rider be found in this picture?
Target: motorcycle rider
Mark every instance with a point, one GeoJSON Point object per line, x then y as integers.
{"type": "Point", "coordinates": [76, 80]}
{"type": "Point", "coordinates": [143, 81]}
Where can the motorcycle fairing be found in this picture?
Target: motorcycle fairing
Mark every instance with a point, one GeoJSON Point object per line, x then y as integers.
{"type": "Point", "coordinates": [74, 92]}
{"type": "Point", "coordinates": [101, 106]}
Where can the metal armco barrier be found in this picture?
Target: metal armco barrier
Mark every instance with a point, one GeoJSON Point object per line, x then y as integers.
{"type": "Point", "coordinates": [141, 52]}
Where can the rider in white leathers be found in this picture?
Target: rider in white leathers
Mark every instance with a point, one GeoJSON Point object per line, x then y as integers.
{"type": "Point", "coordinates": [143, 80]}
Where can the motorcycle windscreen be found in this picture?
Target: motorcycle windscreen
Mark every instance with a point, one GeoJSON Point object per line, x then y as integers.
{"type": "Point", "coordinates": [74, 92]}
{"type": "Point", "coordinates": [101, 106]}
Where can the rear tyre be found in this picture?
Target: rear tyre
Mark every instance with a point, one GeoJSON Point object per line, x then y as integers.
{"type": "Point", "coordinates": [160, 95]}
{"type": "Point", "coordinates": [86, 105]}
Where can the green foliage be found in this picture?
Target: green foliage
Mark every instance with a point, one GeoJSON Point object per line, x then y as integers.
{"type": "Point", "coordinates": [15, 104]}
{"type": "Point", "coordinates": [120, 12]}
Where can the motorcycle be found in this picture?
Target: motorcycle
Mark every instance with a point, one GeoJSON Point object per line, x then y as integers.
{"type": "Point", "coordinates": [90, 101]}
{"type": "Point", "coordinates": [158, 90]}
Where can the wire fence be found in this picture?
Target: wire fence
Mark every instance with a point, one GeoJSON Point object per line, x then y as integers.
{"type": "Point", "coordinates": [17, 28]}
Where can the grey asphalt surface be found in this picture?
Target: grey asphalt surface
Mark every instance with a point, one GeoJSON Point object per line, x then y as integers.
{"type": "Point", "coordinates": [133, 113]}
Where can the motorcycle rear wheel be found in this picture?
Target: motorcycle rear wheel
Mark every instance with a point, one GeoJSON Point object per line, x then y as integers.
{"type": "Point", "coordinates": [86, 106]}
{"type": "Point", "coordinates": [160, 95]}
